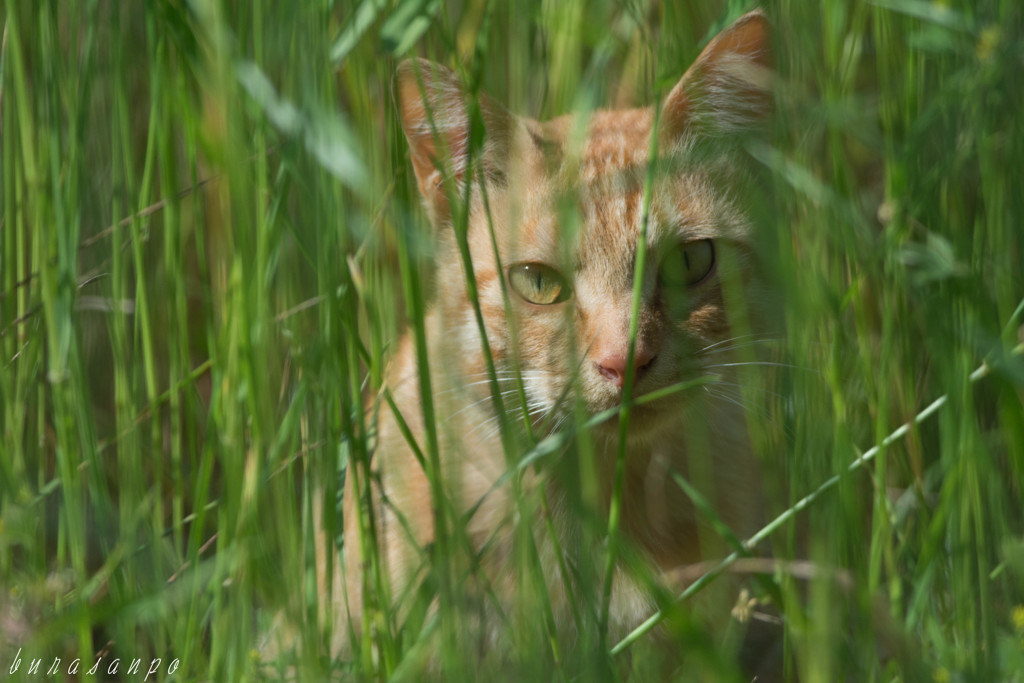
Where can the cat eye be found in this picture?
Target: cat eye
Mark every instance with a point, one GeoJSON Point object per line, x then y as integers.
{"type": "Point", "coordinates": [538, 284]}
{"type": "Point", "coordinates": [688, 264]}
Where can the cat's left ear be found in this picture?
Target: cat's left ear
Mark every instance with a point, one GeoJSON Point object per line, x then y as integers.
{"type": "Point", "coordinates": [726, 90]}
{"type": "Point", "coordinates": [436, 112]}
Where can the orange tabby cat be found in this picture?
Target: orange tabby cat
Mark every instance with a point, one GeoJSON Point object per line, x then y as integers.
{"type": "Point", "coordinates": [553, 230]}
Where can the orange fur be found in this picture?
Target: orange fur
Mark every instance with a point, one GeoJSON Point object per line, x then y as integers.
{"type": "Point", "coordinates": [530, 171]}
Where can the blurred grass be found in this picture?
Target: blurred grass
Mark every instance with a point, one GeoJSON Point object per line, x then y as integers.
{"type": "Point", "coordinates": [210, 243]}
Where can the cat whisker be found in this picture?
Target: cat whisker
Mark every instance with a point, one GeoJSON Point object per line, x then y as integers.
{"type": "Point", "coordinates": [558, 423]}
{"type": "Point", "coordinates": [501, 376]}
{"type": "Point", "coordinates": [733, 397]}
{"type": "Point", "coordinates": [533, 408]}
{"type": "Point", "coordinates": [748, 386]}
{"type": "Point", "coordinates": [505, 373]}
{"type": "Point", "coordinates": [725, 396]}
{"type": "Point", "coordinates": [741, 345]}
{"type": "Point", "coordinates": [572, 379]}
{"type": "Point", "coordinates": [503, 395]}
{"type": "Point", "coordinates": [493, 425]}
{"type": "Point", "coordinates": [750, 340]}
{"type": "Point", "coordinates": [761, 362]}
{"type": "Point", "coordinates": [476, 384]}
{"type": "Point", "coordinates": [734, 339]}
{"type": "Point", "coordinates": [520, 417]}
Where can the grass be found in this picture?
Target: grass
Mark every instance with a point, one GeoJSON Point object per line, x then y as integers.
{"type": "Point", "coordinates": [210, 241]}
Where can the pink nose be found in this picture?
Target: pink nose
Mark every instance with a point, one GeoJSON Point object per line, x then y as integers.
{"type": "Point", "coordinates": [613, 366]}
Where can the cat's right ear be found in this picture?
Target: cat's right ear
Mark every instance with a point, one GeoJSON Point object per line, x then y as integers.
{"type": "Point", "coordinates": [435, 113]}
{"type": "Point", "coordinates": [727, 89]}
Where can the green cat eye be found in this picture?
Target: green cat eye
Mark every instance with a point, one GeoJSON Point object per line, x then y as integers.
{"type": "Point", "coordinates": [538, 284]}
{"type": "Point", "coordinates": [688, 264]}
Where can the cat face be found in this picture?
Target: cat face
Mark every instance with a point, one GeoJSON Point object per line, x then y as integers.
{"type": "Point", "coordinates": [555, 232]}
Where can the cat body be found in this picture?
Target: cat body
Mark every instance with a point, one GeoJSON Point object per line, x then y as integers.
{"type": "Point", "coordinates": [553, 232]}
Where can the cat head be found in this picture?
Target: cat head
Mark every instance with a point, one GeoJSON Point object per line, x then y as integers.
{"type": "Point", "coordinates": [553, 223]}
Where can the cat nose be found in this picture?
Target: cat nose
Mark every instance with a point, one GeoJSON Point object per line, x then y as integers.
{"type": "Point", "coordinates": [613, 366]}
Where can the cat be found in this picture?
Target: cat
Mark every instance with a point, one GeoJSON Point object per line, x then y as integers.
{"type": "Point", "coordinates": [552, 233]}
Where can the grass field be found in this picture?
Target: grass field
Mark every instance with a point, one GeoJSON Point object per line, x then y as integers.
{"type": "Point", "coordinates": [210, 241]}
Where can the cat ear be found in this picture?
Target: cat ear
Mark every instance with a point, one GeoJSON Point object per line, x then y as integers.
{"type": "Point", "coordinates": [435, 111]}
{"type": "Point", "coordinates": [726, 90]}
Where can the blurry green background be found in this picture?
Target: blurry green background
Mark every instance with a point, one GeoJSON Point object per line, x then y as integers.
{"type": "Point", "coordinates": [207, 215]}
